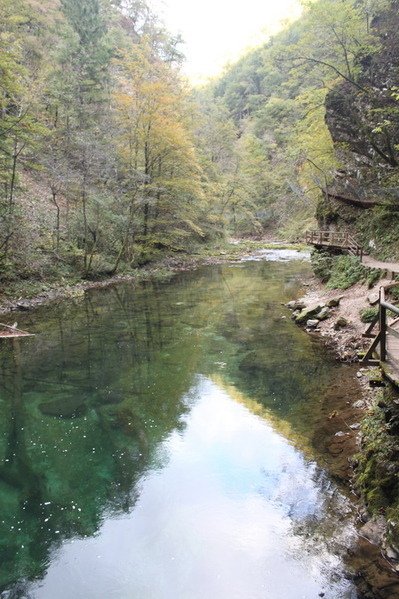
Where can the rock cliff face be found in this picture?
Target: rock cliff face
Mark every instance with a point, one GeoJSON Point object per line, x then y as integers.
{"type": "Point", "coordinates": [363, 118]}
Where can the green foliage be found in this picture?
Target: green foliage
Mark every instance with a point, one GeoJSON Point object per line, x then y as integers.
{"type": "Point", "coordinates": [126, 166]}
{"type": "Point", "coordinates": [380, 228]}
{"type": "Point", "coordinates": [322, 263]}
{"type": "Point", "coordinates": [376, 473]}
{"type": "Point", "coordinates": [345, 272]}
{"type": "Point", "coordinates": [394, 292]}
{"type": "Point", "coordinates": [369, 314]}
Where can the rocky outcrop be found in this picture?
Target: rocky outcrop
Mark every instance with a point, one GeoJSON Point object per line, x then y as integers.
{"type": "Point", "coordinates": [363, 117]}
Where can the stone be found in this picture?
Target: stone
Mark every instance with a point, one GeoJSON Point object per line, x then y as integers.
{"type": "Point", "coordinates": [359, 405]}
{"type": "Point", "coordinates": [23, 306]}
{"type": "Point", "coordinates": [308, 313]}
{"type": "Point", "coordinates": [68, 407]}
{"type": "Point", "coordinates": [312, 323]}
{"type": "Point", "coordinates": [324, 313]}
{"type": "Point", "coordinates": [391, 553]}
{"type": "Point", "coordinates": [340, 323]}
{"type": "Point", "coordinates": [374, 530]}
{"type": "Point", "coordinates": [355, 426]}
{"type": "Point", "coordinates": [296, 305]}
{"type": "Point", "coordinates": [333, 302]}
{"type": "Point", "coordinates": [373, 298]}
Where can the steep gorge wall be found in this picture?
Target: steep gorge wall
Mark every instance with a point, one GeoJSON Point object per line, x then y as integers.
{"type": "Point", "coordinates": [363, 118]}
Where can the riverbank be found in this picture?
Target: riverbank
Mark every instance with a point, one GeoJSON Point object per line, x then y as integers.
{"type": "Point", "coordinates": [27, 295]}
{"type": "Point", "coordinates": [358, 435]}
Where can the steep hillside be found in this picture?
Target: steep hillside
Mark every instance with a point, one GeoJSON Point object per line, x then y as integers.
{"type": "Point", "coordinates": [363, 119]}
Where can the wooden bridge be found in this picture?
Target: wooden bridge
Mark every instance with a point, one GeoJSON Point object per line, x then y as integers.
{"type": "Point", "coordinates": [334, 240]}
{"type": "Point", "coordinates": [344, 242]}
{"type": "Point", "coordinates": [384, 350]}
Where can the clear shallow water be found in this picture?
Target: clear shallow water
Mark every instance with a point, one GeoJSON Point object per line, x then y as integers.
{"type": "Point", "coordinates": [157, 443]}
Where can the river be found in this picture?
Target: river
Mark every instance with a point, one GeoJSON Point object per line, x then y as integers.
{"type": "Point", "coordinates": [156, 443]}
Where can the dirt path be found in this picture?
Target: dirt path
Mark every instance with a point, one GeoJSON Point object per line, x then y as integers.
{"type": "Point", "coordinates": [372, 263]}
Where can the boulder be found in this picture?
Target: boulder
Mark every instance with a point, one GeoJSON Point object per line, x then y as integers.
{"type": "Point", "coordinates": [308, 313]}
{"type": "Point", "coordinates": [333, 302]}
{"type": "Point", "coordinates": [324, 313]}
{"type": "Point", "coordinates": [296, 305]}
{"type": "Point", "coordinates": [312, 323]}
{"type": "Point", "coordinates": [66, 407]}
{"type": "Point", "coordinates": [373, 298]}
{"type": "Point", "coordinates": [374, 530]}
{"type": "Point", "coordinates": [340, 323]}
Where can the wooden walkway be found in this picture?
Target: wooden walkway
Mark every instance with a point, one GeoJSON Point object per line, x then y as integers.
{"type": "Point", "coordinates": [369, 262]}
{"type": "Point", "coordinates": [384, 330]}
{"type": "Point", "coordinates": [384, 350]}
{"type": "Point", "coordinates": [336, 240]}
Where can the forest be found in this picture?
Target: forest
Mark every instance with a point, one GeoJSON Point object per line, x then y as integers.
{"type": "Point", "coordinates": [110, 160]}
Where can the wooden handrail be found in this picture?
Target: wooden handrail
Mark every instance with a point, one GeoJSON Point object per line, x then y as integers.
{"type": "Point", "coordinates": [335, 238]}
{"type": "Point", "coordinates": [385, 330]}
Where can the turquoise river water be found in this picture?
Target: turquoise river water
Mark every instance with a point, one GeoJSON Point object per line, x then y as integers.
{"type": "Point", "coordinates": [156, 443]}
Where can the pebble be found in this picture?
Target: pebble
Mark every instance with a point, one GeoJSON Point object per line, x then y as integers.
{"type": "Point", "coordinates": [359, 405]}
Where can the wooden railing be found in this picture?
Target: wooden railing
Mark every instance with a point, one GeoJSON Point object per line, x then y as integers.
{"type": "Point", "coordinates": [380, 345]}
{"type": "Point", "coordinates": [335, 239]}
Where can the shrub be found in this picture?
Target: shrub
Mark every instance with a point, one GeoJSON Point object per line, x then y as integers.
{"type": "Point", "coordinates": [321, 263]}
{"type": "Point", "coordinates": [369, 314]}
{"type": "Point", "coordinates": [346, 271]}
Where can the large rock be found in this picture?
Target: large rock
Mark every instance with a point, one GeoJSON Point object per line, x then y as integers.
{"type": "Point", "coordinates": [308, 313]}
{"type": "Point", "coordinates": [373, 298]}
{"type": "Point", "coordinates": [324, 313]}
{"type": "Point", "coordinates": [334, 302]}
{"type": "Point", "coordinates": [66, 407]}
{"type": "Point", "coordinates": [374, 530]}
{"type": "Point", "coordinates": [340, 323]}
{"type": "Point", "coordinates": [296, 305]}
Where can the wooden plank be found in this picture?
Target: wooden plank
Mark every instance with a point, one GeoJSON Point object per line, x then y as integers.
{"type": "Point", "coordinates": [12, 332]}
{"type": "Point", "coordinates": [393, 332]}
{"type": "Point", "coordinates": [372, 348]}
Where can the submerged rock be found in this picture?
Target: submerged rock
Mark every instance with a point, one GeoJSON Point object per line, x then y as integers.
{"type": "Point", "coordinates": [374, 530]}
{"type": "Point", "coordinates": [68, 407]}
{"type": "Point", "coordinates": [109, 396]}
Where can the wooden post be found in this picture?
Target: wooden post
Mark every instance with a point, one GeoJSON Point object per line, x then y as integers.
{"type": "Point", "coordinates": [383, 327]}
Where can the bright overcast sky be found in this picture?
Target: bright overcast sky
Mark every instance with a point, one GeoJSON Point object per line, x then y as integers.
{"type": "Point", "coordinates": [218, 31]}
